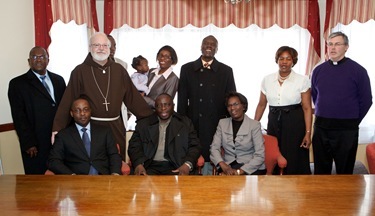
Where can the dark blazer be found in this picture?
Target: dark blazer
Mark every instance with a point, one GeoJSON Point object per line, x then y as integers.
{"type": "Point", "coordinates": [68, 154]}
{"type": "Point", "coordinates": [201, 97]}
{"type": "Point", "coordinates": [181, 142]}
{"type": "Point", "coordinates": [33, 111]}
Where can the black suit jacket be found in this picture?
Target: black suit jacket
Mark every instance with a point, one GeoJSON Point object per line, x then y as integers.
{"type": "Point", "coordinates": [68, 154]}
{"type": "Point", "coordinates": [33, 111]}
{"type": "Point", "coordinates": [181, 142]}
{"type": "Point", "coordinates": [201, 97]}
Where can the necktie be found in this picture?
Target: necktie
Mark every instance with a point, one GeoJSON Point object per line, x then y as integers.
{"type": "Point", "coordinates": [206, 65]}
{"type": "Point", "coordinates": [44, 83]}
{"type": "Point", "coordinates": [87, 143]}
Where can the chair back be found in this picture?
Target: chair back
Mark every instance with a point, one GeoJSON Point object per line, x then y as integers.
{"type": "Point", "coordinates": [370, 154]}
{"type": "Point", "coordinates": [273, 155]}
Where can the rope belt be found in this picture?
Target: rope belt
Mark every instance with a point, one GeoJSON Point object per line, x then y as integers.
{"type": "Point", "coordinates": [105, 119]}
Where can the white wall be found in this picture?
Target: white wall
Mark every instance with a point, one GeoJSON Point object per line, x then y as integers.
{"type": "Point", "coordinates": [17, 38]}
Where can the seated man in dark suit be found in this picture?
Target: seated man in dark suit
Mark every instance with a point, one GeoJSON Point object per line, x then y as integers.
{"type": "Point", "coordinates": [164, 143]}
{"type": "Point", "coordinates": [84, 148]}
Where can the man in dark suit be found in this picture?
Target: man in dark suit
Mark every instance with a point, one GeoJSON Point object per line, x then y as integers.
{"type": "Point", "coordinates": [202, 88]}
{"type": "Point", "coordinates": [71, 154]}
{"type": "Point", "coordinates": [164, 143]}
{"type": "Point", "coordinates": [34, 98]}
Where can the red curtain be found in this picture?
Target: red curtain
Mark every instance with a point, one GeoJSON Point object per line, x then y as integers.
{"type": "Point", "coordinates": [345, 11]}
{"type": "Point", "coordinates": [43, 22]}
{"type": "Point", "coordinates": [46, 12]}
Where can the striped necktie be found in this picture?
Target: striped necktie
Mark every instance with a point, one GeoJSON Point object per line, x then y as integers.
{"type": "Point", "coordinates": [44, 83]}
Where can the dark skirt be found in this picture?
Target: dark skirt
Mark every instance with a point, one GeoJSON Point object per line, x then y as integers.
{"type": "Point", "coordinates": [288, 125]}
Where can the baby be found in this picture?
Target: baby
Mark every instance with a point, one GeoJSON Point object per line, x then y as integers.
{"type": "Point", "coordinates": [140, 77]}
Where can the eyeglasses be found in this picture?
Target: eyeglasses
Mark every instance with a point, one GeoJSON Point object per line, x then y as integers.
{"type": "Point", "coordinates": [164, 56]}
{"type": "Point", "coordinates": [105, 46]}
{"type": "Point", "coordinates": [41, 57]}
{"type": "Point", "coordinates": [335, 44]}
{"type": "Point", "coordinates": [233, 105]}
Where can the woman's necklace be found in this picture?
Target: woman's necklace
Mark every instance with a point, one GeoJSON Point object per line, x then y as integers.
{"type": "Point", "coordinates": [282, 79]}
{"type": "Point", "coordinates": [97, 85]}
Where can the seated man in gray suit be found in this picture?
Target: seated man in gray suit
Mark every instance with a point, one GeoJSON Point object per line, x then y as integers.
{"type": "Point", "coordinates": [164, 143]}
{"type": "Point", "coordinates": [84, 148]}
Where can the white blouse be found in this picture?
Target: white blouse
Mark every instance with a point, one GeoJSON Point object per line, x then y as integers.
{"type": "Point", "coordinates": [288, 93]}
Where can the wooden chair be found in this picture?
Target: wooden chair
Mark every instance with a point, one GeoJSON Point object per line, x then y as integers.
{"type": "Point", "coordinates": [370, 155]}
{"type": "Point", "coordinates": [272, 155]}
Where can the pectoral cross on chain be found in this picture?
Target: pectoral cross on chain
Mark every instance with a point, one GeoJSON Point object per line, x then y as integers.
{"type": "Point", "coordinates": [106, 104]}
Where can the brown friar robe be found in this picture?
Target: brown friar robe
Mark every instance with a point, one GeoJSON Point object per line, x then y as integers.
{"type": "Point", "coordinates": [121, 89]}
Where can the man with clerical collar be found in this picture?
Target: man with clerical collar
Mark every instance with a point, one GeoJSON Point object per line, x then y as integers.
{"type": "Point", "coordinates": [164, 143]}
{"type": "Point", "coordinates": [341, 92]}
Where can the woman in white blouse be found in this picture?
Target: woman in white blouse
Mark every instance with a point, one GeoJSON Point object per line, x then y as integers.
{"type": "Point", "coordinates": [290, 112]}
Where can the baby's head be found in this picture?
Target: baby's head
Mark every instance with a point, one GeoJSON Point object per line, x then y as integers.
{"type": "Point", "coordinates": [140, 64]}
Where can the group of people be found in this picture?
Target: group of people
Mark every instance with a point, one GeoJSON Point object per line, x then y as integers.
{"type": "Point", "coordinates": [88, 133]}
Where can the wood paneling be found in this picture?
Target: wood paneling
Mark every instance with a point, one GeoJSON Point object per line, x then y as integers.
{"type": "Point", "coordinates": [6, 127]}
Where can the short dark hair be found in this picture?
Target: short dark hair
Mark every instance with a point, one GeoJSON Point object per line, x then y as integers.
{"type": "Point", "coordinates": [240, 96]}
{"type": "Point", "coordinates": [290, 50]}
{"type": "Point", "coordinates": [137, 61]}
{"type": "Point", "coordinates": [171, 51]}
{"type": "Point", "coordinates": [81, 97]}
{"type": "Point", "coordinates": [38, 47]}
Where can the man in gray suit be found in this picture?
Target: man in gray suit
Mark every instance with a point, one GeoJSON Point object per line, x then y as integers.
{"type": "Point", "coordinates": [72, 155]}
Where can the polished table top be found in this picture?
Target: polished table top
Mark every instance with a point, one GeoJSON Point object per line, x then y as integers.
{"type": "Point", "coordinates": [187, 195]}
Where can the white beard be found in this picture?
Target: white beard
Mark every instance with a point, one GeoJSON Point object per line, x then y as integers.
{"type": "Point", "coordinates": [99, 57]}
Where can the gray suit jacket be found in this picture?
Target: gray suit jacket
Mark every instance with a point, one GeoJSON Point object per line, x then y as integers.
{"type": "Point", "coordinates": [248, 147]}
{"type": "Point", "coordinates": [162, 85]}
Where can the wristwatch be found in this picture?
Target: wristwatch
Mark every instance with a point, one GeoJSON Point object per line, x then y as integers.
{"type": "Point", "coordinates": [190, 165]}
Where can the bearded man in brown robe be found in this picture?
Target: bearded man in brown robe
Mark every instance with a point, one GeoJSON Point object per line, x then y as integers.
{"type": "Point", "coordinates": [105, 84]}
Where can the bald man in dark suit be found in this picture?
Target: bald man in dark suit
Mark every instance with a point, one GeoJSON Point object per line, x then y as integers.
{"type": "Point", "coordinates": [33, 107]}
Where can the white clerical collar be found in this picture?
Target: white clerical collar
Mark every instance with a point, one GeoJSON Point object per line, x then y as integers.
{"type": "Point", "coordinates": [337, 62]}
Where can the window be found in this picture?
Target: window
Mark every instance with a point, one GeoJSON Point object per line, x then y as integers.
{"type": "Point", "coordinates": [361, 44]}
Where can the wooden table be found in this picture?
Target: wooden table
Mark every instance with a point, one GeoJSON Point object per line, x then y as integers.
{"type": "Point", "coordinates": [187, 195]}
